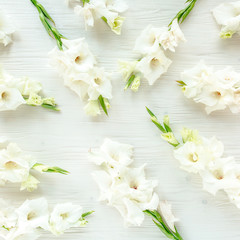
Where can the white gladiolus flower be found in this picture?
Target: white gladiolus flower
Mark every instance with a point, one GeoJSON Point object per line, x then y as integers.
{"type": "Point", "coordinates": [8, 218]}
{"type": "Point", "coordinates": [149, 41]}
{"type": "Point", "coordinates": [137, 193]}
{"type": "Point", "coordinates": [31, 183]}
{"type": "Point", "coordinates": [228, 16]}
{"type": "Point", "coordinates": [151, 44]}
{"type": "Point", "coordinates": [112, 155]}
{"type": "Point", "coordinates": [108, 10]}
{"type": "Point", "coordinates": [216, 90]}
{"type": "Point", "coordinates": [24, 223]}
{"type": "Point", "coordinates": [18, 91]}
{"type": "Point", "coordinates": [14, 164]}
{"type": "Point", "coordinates": [116, 5]}
{"type": "Point", "coordinates": [121, 186]}
{"type": "Point", "coordinates": [166, 211]}
{"type": "Point", "coordinates": [77, 65]}
{"type": "Point", "coordinates": [33, 214]}
{"type": "Point", "coordinates": [92, 108]}
{"type": "Point", "coordinates": [192, 157]}
{"type": "Point", "coordinates": [99, 84]}
{"type": "Point", "coordinates": [153, 66]}
{"type": "Point", "coordinates": [205, 156]}
{"type": "Point", "coordinates": [76, 58]}
{"type": "Point", "coordinates": [6, 29]}
{"type": "Point", "coordinates": [116, 24]}
{"type": "Point", "coordinates": [169, 39]}
{"type": "Point", "coordinates": [65, 216]}
{"type": "Point", "coordinates": [27, 86]}
{"type": "Point", "coordinates": [220, 175]}
{"type": "Point", "coordinates": [88, 12]}
{"type": "Point", "coordinates": [10, 98]}
{"type": "Point", "coordinates": [127, 69]}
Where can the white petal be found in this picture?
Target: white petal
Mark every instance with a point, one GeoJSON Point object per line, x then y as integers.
{"type": "Point", "coordinates": [166, 211]}
{"type": "Point", "coordinates": [153, 66]}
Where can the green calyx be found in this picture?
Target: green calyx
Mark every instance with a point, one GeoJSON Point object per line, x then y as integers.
{"type": "Point", "coordinates": [44, 168]}
{"type": "Point", "coordinates": [36, 100]}
{"type": "Point", "coordinates": [167, 133]}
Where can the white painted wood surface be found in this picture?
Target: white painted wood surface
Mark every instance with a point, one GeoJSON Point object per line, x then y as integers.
{"type": "Point", "coordinates": [64, 138]}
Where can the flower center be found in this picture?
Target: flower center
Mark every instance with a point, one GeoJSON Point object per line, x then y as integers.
{"type": "Point", "coordinates": [64, 215]}
{"type": "Point", "coordinates": [10, 165]}
{"type": "Point", "coordinates": [218, 174]}
{"type": "Point", "coordinates": [134, 185]}
{"type": "Point", "coordinates": [217, 94]}
{"type": "Point", "coordinates": [4, 95]}
{"type": "Point", "coordinates": [31, 215]}
{"type": "Point", "coordinates": [193, 157]}
{"type": "Point", "coordinates": [98, 81]}
{"type": "Point", "coordinates": [155, 62]}
{"type": "Point", "coordinates": [78, 60]}
{"type": "Point", "coordinates": [228, 78]}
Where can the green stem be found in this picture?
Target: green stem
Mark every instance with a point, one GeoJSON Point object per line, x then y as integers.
{"type": "Point", "coordinates": [48, 24]}
{"type": "Point", "coordinates": [47, 106]}
{"type": "Point", "coordinates": [160, 223]}
{"type": "Point", "coordinates": [182, 14]}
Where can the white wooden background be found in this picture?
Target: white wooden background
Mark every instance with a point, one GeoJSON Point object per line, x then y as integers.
{"type": "Point", "coordinates": [64, 138]}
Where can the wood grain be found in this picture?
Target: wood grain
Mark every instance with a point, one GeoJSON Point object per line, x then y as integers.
{"type": "Point", "coordinates": [64, 138]}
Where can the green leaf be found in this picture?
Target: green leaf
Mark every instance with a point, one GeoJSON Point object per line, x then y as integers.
{"type": "Point", "coordinates": [182, 14]}
{"type": "Point", "coordinates": [85, 1]}
{"type": "Point", "coordinates": [102, 103]}
{"type": "Point", "coordinates": [181, 83]}
{"type": "Point", "coordinates": [47, 20]}
{"type": "Point", "coordinates": [43, 10]}
{"type": "Point", "coordinates": [155, 120]}
{"type": "Point", "coordinates": [57, 170]}
{"type": "Point", "coordinates": [159, 126]}
{"type": "Point", "coordinates": [168, 129]}
{"type": "Point", "coordinates": [150, 112]}
{"type": "Point", "coordinates": [164, 231]}
{"type": "Point", "coordinates": [158, 220]}
{"type": "Point", "coordinates": [87, 214]}
{"type": "Point", "coordinates": [44, 168]}
{"type": "Point", "coordinates": [129, 82]}
{"type": "Point", "coordinates": [8, 229]}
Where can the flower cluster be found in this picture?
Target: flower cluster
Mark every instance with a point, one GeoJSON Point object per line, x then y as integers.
{"type": "Point", "coordinates": [6, 29]}
{"type": "Point", "coordinates": [151, 44]}
{"type": "Point", "coordinates": [77, 65]}
{"type": "Point", "coordinates": [203, 156]}
{"type": "Point", "coordinates": [17, 91]}
{"type": "Point", "coordinates": [124, 187]}
{"type": "Point", "coordinates": [228, 16]}
{"type": "Point", "coordinates": [107, 10]}
{"type": "Point", "coordinates": [26, 221]}
{"type": "Point", "coordinates": [16, 166]}
{"type": "Point", "coordinates": [215, 89]}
